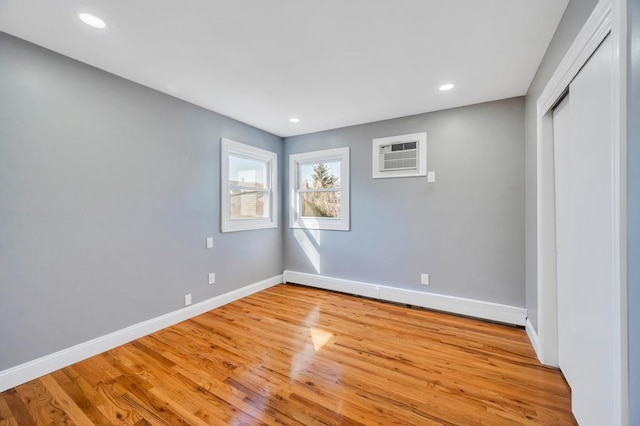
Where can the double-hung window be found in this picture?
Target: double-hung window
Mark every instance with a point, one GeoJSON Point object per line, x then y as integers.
{"type": "Point", "coordinates": [249, 187]}
{"type": "Point", "coordinates": [319, 189]}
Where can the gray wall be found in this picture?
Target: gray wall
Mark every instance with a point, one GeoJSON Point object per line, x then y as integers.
{"type": "Point", "coordinates": [633, 191]}
{"type": "Point", "coordinates": [466, 230]}
{"type": "Point", "coordinates": [573, 20]}
{"type": "Point", "coordinates": [107, 192]}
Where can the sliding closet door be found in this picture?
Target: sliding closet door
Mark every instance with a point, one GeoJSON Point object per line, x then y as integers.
{"type": "Point", "coordinates": [584, 238]}
{"type": "Point", "coordinates": [564, 154]}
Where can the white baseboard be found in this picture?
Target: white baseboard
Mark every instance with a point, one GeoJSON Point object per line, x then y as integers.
{"type": "Point", "coordinates": [33, 369]}
{"type": "Point", "coordinates": [457, 305]}
{"type": "Point", "coordinates": [533, 338]}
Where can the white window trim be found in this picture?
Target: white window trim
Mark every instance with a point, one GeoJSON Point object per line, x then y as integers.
{"type": "Point", "coordinates": [240, 149]}
{"type": "Point", "coordinates": [338, 224]}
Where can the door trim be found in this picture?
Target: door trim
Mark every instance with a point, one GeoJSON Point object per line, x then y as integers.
{"type": "Point", "coordinates": [608, 17]}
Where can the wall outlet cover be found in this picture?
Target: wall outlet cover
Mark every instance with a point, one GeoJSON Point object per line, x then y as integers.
{"type": "Point", "coordinates": [212, 278]}
{"type": "Point", "coordinates": [187, 299]}
{"type": "Point", "coordinates": [424, 279]}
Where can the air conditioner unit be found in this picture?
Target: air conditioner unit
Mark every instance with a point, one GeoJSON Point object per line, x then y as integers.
{"type": "Point", "coordinates": [398, 156]}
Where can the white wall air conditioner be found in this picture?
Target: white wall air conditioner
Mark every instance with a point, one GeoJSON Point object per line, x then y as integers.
{"type": "Point", "coordinates": [400, 156]}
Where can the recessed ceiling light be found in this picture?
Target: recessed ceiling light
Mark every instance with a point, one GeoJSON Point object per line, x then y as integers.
{"type": "Point", "coordinates": [294, 120]}
{"type": "Point", "coordinates": [91, 20]}
{"type": "Point", "coordinates": [446, 87]}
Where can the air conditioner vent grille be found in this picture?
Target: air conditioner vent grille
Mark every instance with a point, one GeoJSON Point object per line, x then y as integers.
{"type": "Point", "coordinates": [400, 164]}
{"type": "Point", "coordinates": [404, 146]}
{"type": "Point", "coordinates": [400, 160]}
{"type": "Point", "coordinates": [400, 156]}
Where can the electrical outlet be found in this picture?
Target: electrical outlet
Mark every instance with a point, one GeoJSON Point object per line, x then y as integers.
{"type": "Point", "coordinates": [212, 278]}
{"type": "Point", "coordinates": [209, 242]}
{"type": "Point", "coordinates": [431, 177]}
{"type": "Point", "coordinates": [187, 299]}
{"type": "Point", "coordinates": [424, 279]}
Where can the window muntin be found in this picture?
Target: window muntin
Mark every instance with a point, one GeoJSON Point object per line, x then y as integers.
{"type": "Point", "coordinates": [319, 185]}
{"type": "Point", "coordinates": [249, 183]}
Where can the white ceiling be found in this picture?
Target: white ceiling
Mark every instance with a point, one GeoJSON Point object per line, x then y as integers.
{"type": "Point", "coordinates": [332, 63]}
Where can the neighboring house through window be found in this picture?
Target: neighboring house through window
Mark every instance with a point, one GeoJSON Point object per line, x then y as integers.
{"type": "Point", "coordinates": [319, 187]}
{"type": "Point", "coordinates": [249, 183]}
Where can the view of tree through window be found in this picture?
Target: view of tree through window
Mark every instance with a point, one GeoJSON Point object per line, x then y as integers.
{"type": "Point", "coordinates": [320, 189]}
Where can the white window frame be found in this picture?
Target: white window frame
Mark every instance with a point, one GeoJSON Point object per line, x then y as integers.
{"type": "Point", "coordinates": [230, 147]}
{"type": "Point", "coordinates": [329, 223]}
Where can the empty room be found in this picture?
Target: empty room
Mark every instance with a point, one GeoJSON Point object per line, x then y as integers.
{"type": "Point", "coordinates": [354, 212]}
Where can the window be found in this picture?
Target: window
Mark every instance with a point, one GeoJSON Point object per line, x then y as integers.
{"type": "Point", "coordinates": [319, 186]}
{"type": "Point", "coordinates": [249, 182]}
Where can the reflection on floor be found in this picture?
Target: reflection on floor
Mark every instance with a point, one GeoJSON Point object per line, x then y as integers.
{"type": "Point", "coordinates": [295, 355]}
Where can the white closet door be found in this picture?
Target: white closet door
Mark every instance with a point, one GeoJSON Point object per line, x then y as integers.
{"type": "Point", "coordinates": [584, 239]}
{"type": "Point", "coordinates": [564, 153]}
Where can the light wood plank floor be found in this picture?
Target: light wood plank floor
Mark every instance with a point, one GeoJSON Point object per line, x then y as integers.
{"type": "Point", "coordinates": [299, 356]}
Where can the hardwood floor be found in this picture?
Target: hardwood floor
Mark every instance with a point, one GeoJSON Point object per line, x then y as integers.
{"type": "Point", "coordinates": [299, 356]}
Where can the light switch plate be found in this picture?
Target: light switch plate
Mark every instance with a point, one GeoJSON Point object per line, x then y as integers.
{"type": "Point", "coordinates": [209, 242]}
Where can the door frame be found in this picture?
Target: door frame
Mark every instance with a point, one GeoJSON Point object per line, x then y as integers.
{"type": "Point", "coordinates": [608, 18]}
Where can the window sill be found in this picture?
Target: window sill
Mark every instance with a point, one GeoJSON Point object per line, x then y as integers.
{"type": "Point", "coordinates": [322, 224]}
